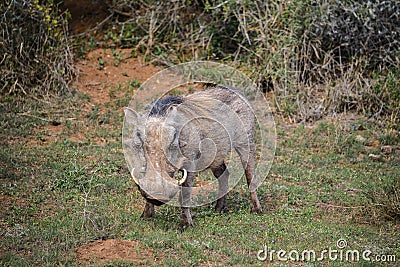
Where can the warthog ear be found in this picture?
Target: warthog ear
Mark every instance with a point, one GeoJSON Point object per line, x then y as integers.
{"type": "Point", "coordinates": [131, 116]}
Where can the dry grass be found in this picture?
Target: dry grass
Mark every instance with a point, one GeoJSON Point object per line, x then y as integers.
{"type": "Point", "coordinates": [318, 58]}
{"type": "Point", "coordinates": [36, 59]}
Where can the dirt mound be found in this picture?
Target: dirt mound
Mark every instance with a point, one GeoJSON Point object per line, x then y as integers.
{"type": "Point", "coordinates": [111, 250]}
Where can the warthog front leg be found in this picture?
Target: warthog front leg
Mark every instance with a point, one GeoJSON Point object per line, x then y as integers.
{"type": "Point", "coordinates": [185, 195]}
{"type": "Point", "coordinates": [222, 174]}
{"type": "Point", "coordinates": [148, 211]}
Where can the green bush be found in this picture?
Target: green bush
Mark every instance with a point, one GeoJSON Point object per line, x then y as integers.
{"type": "Point", "coordinates": [36, 59]}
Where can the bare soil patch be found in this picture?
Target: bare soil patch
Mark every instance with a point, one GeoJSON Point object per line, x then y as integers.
{"type": "Point", "coordinates": [118, 69]}
{"type": "Point", "coordinates": [105, 68]}
{"type": "Point", "coordinates": [103, 251]}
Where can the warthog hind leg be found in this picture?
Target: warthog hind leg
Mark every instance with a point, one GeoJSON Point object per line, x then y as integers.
{"type": "Point", "coordinates": [248, 157]}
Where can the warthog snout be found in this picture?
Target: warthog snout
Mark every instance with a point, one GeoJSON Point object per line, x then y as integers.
{"type": "Point", "coordinates": [159, 189]}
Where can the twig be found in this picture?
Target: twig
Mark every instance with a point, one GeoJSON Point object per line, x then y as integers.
{"type": "Point", "coordinates": [27, 114]}
{"type": "Point", "coordinates": [125, 14]}
{"type": "Point", "coordinates": [218, 6]}
{"type": "Point", "coordinates": [85, 199]}
{"type": "Point", "coordinates": [341, 207]}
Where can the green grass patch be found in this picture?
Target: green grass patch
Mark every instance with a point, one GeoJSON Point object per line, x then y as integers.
{"type": "Point", "coordinates": [61, 193]}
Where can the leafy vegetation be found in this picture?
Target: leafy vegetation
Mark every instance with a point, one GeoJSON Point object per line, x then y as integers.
{"type": "Point", "coordinates": [36, 57]}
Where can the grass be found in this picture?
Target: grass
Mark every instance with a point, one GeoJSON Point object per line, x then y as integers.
{"type": "Point", "coordinates": [60, 191]}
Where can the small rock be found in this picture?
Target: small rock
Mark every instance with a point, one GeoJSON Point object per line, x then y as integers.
{"type": "Point", "coordinates": [360, 157]}
{"type": "Point", "coordinates": [374, 157]}
{"type": "Point", "coordinates": [360, 139]}
{"type": "Point", "coordinates": [387, 149]}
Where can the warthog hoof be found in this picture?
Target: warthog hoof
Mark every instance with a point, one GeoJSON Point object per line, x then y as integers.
{"type": "Point", "coordinates": [148, 211]}
{"type": "Point", "coordinates": [220, 207]}
{"type": "Point", "coordinates": [257, 210]}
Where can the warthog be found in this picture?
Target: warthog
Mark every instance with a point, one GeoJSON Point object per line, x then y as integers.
{"type": "Point", "coordinates": [188, 134]}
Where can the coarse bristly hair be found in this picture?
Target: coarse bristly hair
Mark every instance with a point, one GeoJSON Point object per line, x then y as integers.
{"type": "Point", "coordinates": [161, 106]}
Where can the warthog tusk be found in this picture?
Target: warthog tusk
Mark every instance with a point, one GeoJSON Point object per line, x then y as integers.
{"type": "Point", "coordinates": [181, 181]}
{"type": "Point", "coordinates": [133, 176]}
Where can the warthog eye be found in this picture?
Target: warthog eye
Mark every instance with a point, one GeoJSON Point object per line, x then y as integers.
{"type": "Point", "coordinates": [137, 140]}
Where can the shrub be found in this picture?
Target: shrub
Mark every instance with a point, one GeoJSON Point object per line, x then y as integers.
{"type": "Point", "coordinates": [36, 59]}
{"type": "Point", "coordinates": [384, 197]}
{"type": "Point", "coordinates": [340, 33]}
{"type": "Point", "coordinates": [319, 57]}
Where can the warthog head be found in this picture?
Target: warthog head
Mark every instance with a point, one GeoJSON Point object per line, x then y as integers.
{"type": "Point", "coordinates": [153, 143]}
